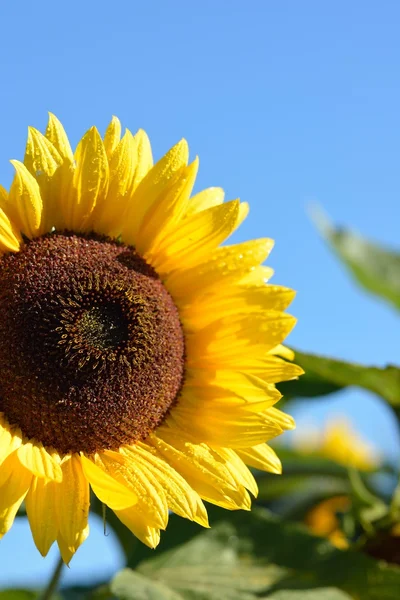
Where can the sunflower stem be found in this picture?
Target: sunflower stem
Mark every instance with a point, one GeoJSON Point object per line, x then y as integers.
{"type": "Point", "coordinates": [54, 581]}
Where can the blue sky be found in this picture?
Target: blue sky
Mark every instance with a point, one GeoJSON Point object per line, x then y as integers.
{"type": "Point", "coordinates": [286, 103]}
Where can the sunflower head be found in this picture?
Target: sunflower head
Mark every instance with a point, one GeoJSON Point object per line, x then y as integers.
{"type": "Point", "coordinates": [340, 443]}
{"type": "Point", "coordinates": [138, 355]}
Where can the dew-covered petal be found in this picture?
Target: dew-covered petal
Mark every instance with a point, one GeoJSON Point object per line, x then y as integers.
{"type": "Point", "coordinates": [163, 217]}
{"type": "Point", "coordinates": [221, 266]}
{"type": "Point", "coordinates": [55, 133]}
{"type": "Point", "coordinates": [137, 477]}
{"type": "Point", "coordinates": [154, 183]}
{"type": "Point", "coordinates": [202, 468]}
{"type": "Point", "coordinates": [14, 485]}
{"type": "Point", "coordinates": [233, 299]}
{"type": "Point", "coordinates": [108, 490]}
{"type": "Point", "coordinates": [238, 342]}
{"type": "Point", "coordinates": [181, 498]}
{"type": "Point", "coordinates": [212, 196]}
{"type": "Point", "coordinates": [195, 238]}
{"type": "Point", "coordinates": [41, 508]}
{"type": "Point", "coordinates": [136, 521]}
{"type": "Point", "coordinates": [35, 458]}
{"type": "Point", "coordinates": [112, 136]}
{"type": "Point", "coordinates": [10, 238]}
{"type": "Point", "coordinates": [261, 457]}
{"type": "Point", "coordinates": [66, 551]}
{"type": "Point", "coordinates": [89, 182]}
{"type": "Point", "coordinates": [10, 439]}
{"type": "Point", "coordinates": [73, 500]}
{"type": "Point", "coordinates": [26, 199]}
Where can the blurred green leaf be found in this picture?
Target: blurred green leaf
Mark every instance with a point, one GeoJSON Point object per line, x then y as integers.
{"type": "Point", "coordinates": [375, 268]}
{"type": "Point", "coordinates": [326, 375]}
{"type": "Point", "coordinates": [296, 495]}
{"type": "Point", "coordinates": [18, 595]}
{"type": "Point", "coordinates": [299, 463]}
{"type": "Point", "coordinates": [291, 556]}
{"type": "Point", "coordinates": [317, 594]}
{"type": "Point", "coordinates": [129, 585]}
{"type": "Point", "coordinates": [208, 567]}
{"type": "Point", "coordinates": [271, 488]}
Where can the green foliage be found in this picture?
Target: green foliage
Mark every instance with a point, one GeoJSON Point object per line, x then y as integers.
{"type": "Point", "coordinates": [319, 594]}
{"type": "Point", "coordinates": [375, 268]}
{"type": "Point", "coordinates": [18, 595]}
{"type": "Point", "coordinates": [326, 375]}
{"type": "Point", "coordinates": [249, 555]}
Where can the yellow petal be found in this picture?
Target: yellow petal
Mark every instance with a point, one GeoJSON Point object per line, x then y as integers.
{"type": "Point", "coordinates": [274, 369]}
{"type": "Point", "coordinates": [134, 519]}
{"type": "Point", "coordinates": [41, 508]}
{"type": "Point", "coordinates": [73, 498]}
{"type": "Point", "coordinates": [223, 265]}
{"type": "Point", "coordinates": [10, 238]}
{"type": "Point", "coordinates": [25, 196]}
{"type": "Point", "coordinates": [181, 498]}
{"type": "Point", "coordinates": [152, 185]}
{"type": "Point", "coordinates": [212, 196]}
{"type": "Point", "coordinates": [282, 419]}
{"type": "Point", "coordinates": [108, 490]}
{"type": "Point", "coordinates": [109, 212]}
{"type": "Point", "coordinates": [202, 468]}
{"type": "Point", "coordinates": [261, 457]}
{"type": "Point", "coordinates": [244, 209]}
{"type": "Point", "coordinates": [238, 469]}
{"type": "Point", "coordinates": [162, 219]}
{"type": "Point", "coordinates": [42, 160]}
{"type": "Point", "coordinates": [10, 439]}
{"type": "Point", "coordinates": [144, 157]}
{"type": "Point", "coordinates": [233, 299]}
{"type": "Point", "coordinates": [90, 181]}
{"type": "Point", "coordinates": [138, 478]}
{"type": "Point", "coordinates": [258, 276]}
{"type": "Point", "coordinates": [55, 133]}
{"type": "Point", "coordinates": [66, 551]}
{"type": "Point", "coordinates": [15, 482]}
{"type": "Point", "coordinates": [112, 136]}
{"type": "Point", "coordinates": [283, 351]}
{"type": "Point", "coordinates": [238, 342]}
{"type": "Point", "coordinates": [39, 461]}
{"type": "Point", "coordinates": [251, 389]}
{"type": "Point", "coordinates": [41, 157]}
{"type": "Point", "coordinates": [196, 238]}
{"type": "Point", "coordinates": [11, 212]}
{"type": "Point", "coordinates": [232, 426]}
{"type": "Point", "coordinates": [3, 197]}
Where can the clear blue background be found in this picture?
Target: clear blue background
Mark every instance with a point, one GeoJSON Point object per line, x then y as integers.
{"type": "Point", "coordinates": [287, 103]}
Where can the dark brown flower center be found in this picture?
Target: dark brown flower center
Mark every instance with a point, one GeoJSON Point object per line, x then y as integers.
{"type": "Point", "coordinates": [92, 349]}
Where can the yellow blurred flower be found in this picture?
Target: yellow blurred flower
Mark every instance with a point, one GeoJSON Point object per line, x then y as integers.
{"type": "Point", "coordinates": [323, 520]}
{"type": "Point", "coordinates": [339, 442]}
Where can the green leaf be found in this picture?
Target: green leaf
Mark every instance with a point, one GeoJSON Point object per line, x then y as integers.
{"type": "Point", "coordinates": [13, 594]}
{"type": "Point", "coordinates": [297, 494]}
{"type": "Point", "coordinates": [375, 268]}
{"type": "Point", "coordinates": [317, 594]}
{"type": "Point", "coordinates": [208, 567]}
{"type": "Point", "coordinates": [129, 585]}
{"type": "Point", "coordinates": [326, 375]}
{"type": "Point", "coordinates": [291, 556]}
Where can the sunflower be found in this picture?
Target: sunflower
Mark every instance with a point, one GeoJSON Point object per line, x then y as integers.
{"type": "Point", "coordinates": [138, 355]}
{"type": "Point", "coordinates": [339, 442]}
